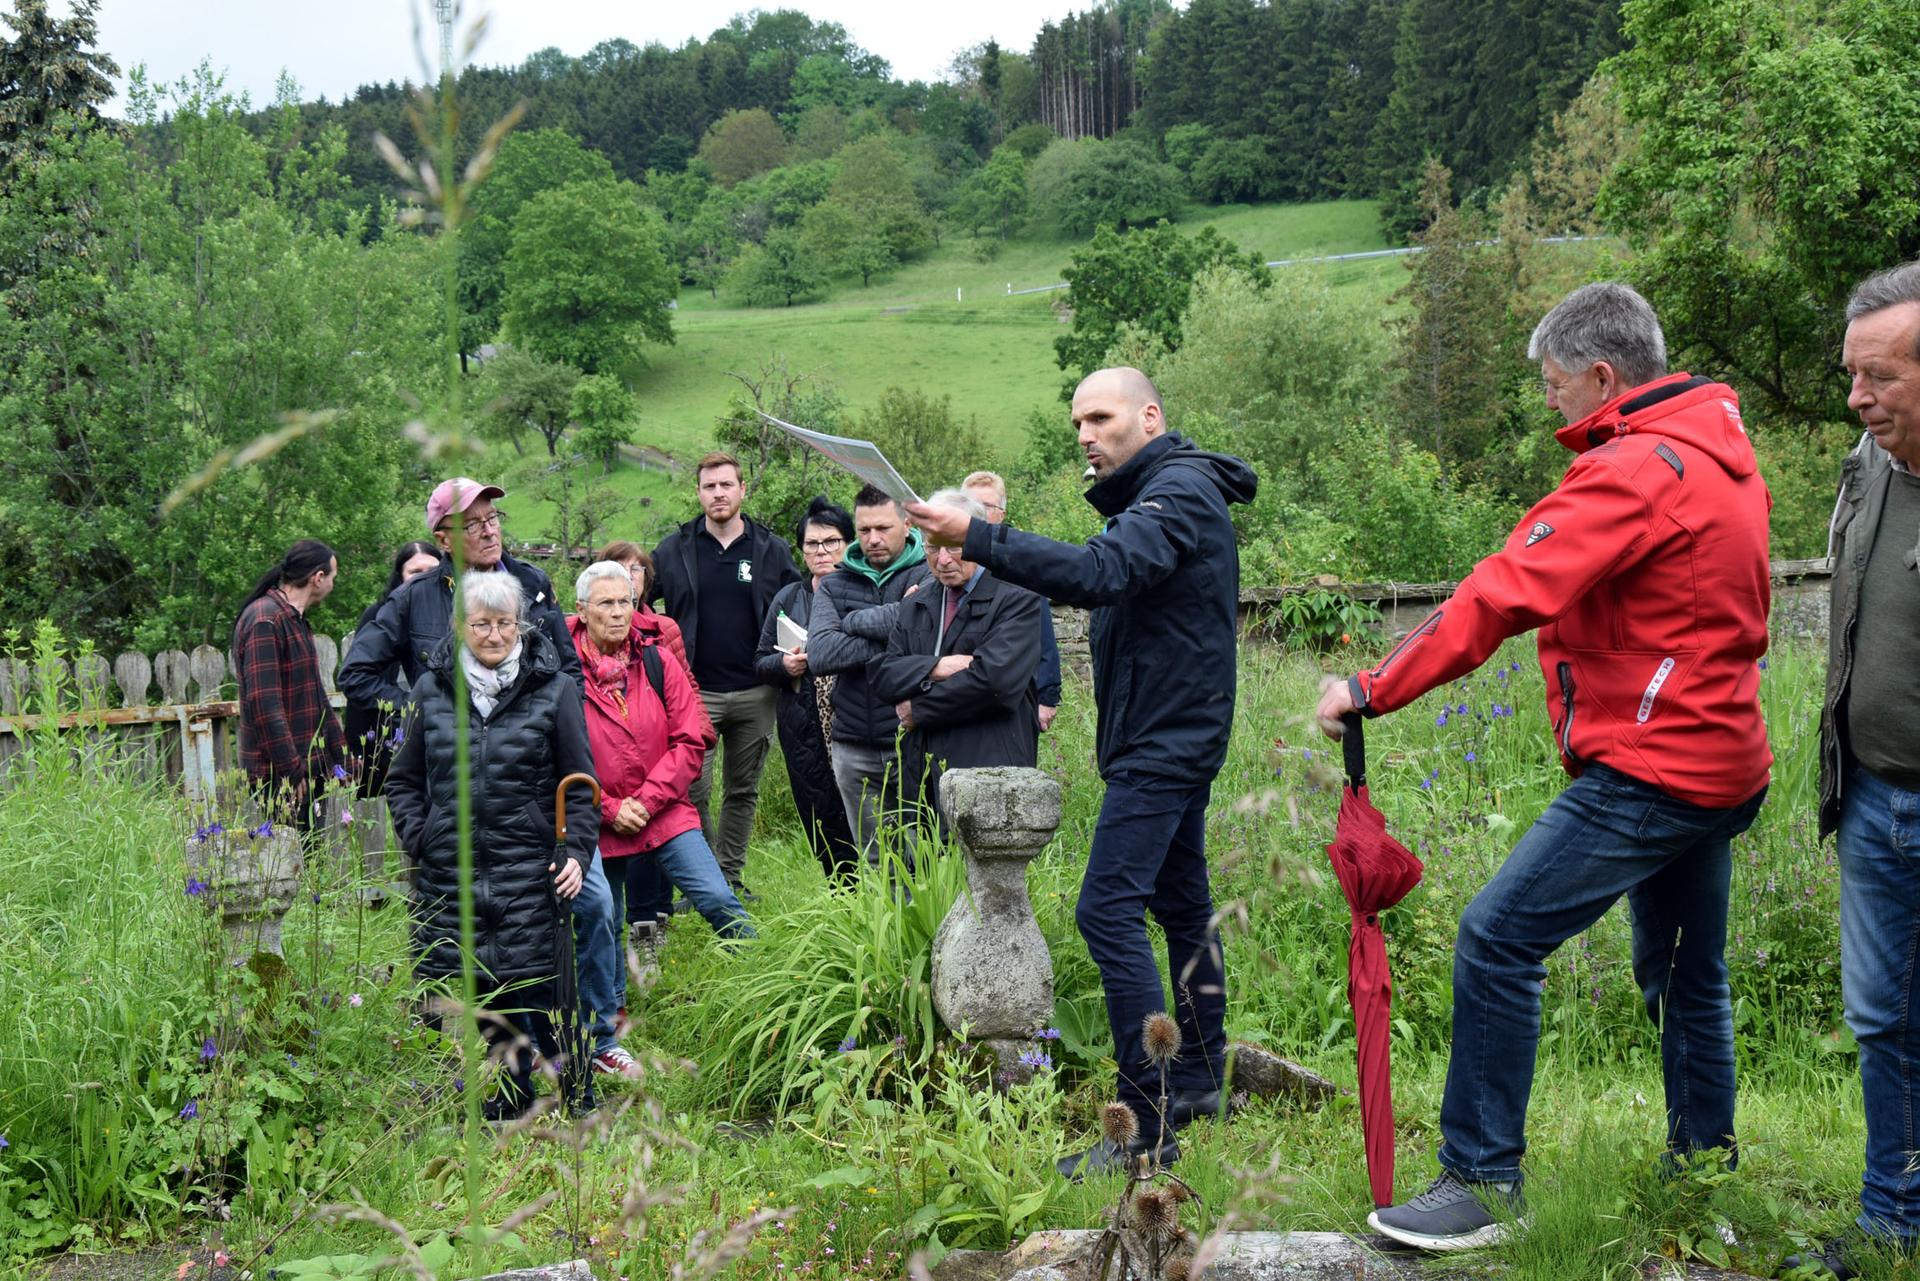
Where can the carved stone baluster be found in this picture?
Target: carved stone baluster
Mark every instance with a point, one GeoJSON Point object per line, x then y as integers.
{"type": "Point", "coordinates": [992, 974]}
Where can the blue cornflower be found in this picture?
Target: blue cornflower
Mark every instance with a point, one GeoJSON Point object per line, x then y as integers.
{"type": "Point", "coordinates": [208, 1050]}
{"type": "Point", "coordinates": [1462, 709]}
{"type": "Point", "coordinates": [849, 1045]}
{"type": "Point", "coordinates": [1048, 1034]}
{"type": "Point", "coordinates": [1471, 757]}
{"type": "Point", "coordinates": [190, 1111]}
{"type": "Point", "coordinates": [1038, 1060]}
{"type": "Point", "coordinates": [195, 887]}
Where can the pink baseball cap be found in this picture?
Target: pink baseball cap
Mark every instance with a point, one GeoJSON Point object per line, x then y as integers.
{"type": "Point", "coordinates": [457, 495]}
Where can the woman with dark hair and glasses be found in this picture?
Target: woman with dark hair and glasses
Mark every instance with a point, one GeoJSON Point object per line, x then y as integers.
{"type": "Point", "coordinates": [369, 729]}
{"type": "Point", "coordinates": [290, 738]}
{"type": "Point", "coordinates": [804, 711]}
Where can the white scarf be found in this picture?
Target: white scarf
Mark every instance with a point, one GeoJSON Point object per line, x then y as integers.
{"type": "Point", "coordinates": [485, 683]}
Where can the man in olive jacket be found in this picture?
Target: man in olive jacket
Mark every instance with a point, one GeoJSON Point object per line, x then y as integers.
{"type": "Point", "coordinates": [1870, 754]}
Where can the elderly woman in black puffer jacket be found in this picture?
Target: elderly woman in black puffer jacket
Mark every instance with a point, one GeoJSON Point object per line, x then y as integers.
{"type": "Point", "coordinates": [526, 731]}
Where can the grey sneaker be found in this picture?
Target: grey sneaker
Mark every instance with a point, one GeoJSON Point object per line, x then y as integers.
{"type": "Point", "coordinates": [1452, 1214]}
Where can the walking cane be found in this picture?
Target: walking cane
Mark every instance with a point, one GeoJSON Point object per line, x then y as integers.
{"type": "Point", "coordinates": [566, 979]}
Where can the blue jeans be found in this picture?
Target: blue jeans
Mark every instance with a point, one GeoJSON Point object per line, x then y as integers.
{"type": "Point", "coordinates": [1879, 847]}
{"type": "Point", "coordinates": [596, 954]}
{"type": "Point", "coordinates": [1149, 855]}
{"type": "Point", "coordinates": [1605, 836]}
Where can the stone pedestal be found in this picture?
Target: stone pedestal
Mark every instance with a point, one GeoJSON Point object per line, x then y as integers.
{"type": "Point", "coordinates": [992, 973]}
{"type": "Point", "coordinates": [250, 879]}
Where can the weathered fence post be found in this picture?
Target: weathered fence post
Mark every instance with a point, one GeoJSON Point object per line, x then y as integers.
{"type": "Point", "coordinates": [992, 973]}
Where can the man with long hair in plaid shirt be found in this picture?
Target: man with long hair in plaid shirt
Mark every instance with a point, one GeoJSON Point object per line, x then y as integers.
{"type": "Point", "coordinates": [290, 736]}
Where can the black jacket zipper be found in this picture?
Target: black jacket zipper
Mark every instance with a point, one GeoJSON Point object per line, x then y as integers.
{"type": "Point", "coordinates": [1566, 715]}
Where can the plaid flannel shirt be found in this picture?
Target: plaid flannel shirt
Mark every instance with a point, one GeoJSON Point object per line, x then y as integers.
{"type": "Point", "coordinates": [288, 729]}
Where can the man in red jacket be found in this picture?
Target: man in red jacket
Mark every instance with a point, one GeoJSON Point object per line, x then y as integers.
{"type": "Point", "coordinates": [1646, 572]}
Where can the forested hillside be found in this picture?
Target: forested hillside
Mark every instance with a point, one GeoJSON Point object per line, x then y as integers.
{"type": "Point", "coordinates": [1289, 100]}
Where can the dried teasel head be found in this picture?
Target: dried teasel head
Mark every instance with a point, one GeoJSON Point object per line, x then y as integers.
{"type": "Point", "coordinates": [1156, 1214]}
{"type": "Point", "coordinates": [1119, 1125]}
{"type": "Point", "coordinates": [1176, 1270]}
{"type": "Point", "coordinates": [1180, 1192]}
{"type": "Point", "coordinates": [1160, 1035]}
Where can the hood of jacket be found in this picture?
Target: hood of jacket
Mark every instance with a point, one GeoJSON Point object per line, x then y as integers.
{"type": "Point", "coordinates": [1236, 480]}
{"type": "Point", "coordinates": [914, 553]}
{"type": "Point", "coordinates": [1688, 408]}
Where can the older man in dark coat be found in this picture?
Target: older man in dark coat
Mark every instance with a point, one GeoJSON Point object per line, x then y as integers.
{"type": "Point", "coordinates": [959, 666]}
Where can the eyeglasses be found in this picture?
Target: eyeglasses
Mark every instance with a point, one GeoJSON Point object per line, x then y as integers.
{"type": "Point", "coordinates": [823, 544]}
{"type": "Point", "coordinates": [487, 627]}
{"type": "Point", "coordinates": [485, 524]}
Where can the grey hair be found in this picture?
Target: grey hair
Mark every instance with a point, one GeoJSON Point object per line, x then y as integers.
{"type": "Point", "coordinates": [600, 571]}
{"type": "Point", "coordinates": [495, 591]}
{"type": "Point", "coordinates": [959, 500]}
{"type": "Point", "coordinates": [987, 480]}
{"type": "Point", "coordinates": [1606, 321]}
{"type": "Point", "coordinates": [1884, 289]}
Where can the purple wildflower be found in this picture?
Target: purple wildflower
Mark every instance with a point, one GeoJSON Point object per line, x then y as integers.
{"type": "Point", "coordinates": [1426, 785]}
{"type": "Point", "coordinates": [195, 887]}
{"type": "Point", "coordinates": [1441, 719]}
{"type": "Point", "coordinates": [346, 818]}
{"type": "Point", "coordinates": [208, 1051]}
{"type": "Point", "coordinates": [849, 1045]}
{"type": "Point", "coordinates": [1763, 664]}
{"type": "Point", "coordinates": [339, 773]}
{"type": "Point", "coordinates": [190, 1111]}
{"type": "Point", "coordinates": [353, 999]}
{"type": "Point", "coordinates": [1306, 753]}
{"type": "Point", "coordinates": [459, 1084]}
{"type": "Point", "coordinates": [1462, 709]}
{"type": "Point", "coordinates": [265, 829]}
{"type": "Point", "coordinates": [1048, 1034]}
{"type": "Point", "coordinates": [4, 1145]}
{"type": "Point", "coordinates": [1038, 1060]}
{"type": "Point", "coordinates": [398, 737]}
{"type": "Point", "coordinates": [1471, 757]}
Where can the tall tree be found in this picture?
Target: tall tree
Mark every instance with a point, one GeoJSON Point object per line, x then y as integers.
{"type": "Point", "coordinates": [527, 164]}
{"type": "Point", "coordinates": [588, 278]}
{"type": "Point", "coordinates": [49, 68]}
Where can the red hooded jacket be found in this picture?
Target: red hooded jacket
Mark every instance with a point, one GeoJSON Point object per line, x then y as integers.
{"type": "Point", "coordinates": [1646, 572]}
{"type": "Point", "coordinates": [651, 753]}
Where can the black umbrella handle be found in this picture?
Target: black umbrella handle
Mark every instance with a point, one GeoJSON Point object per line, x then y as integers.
{"type": "Point", "coordinates": [1353, 745]}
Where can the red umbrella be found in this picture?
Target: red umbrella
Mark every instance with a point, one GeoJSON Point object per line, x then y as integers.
{"type": "Point", "coordinates": [1376, 872]}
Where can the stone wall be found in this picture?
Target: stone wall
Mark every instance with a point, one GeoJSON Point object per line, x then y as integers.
{"type": "Point", "coordinates": [1799, 607]}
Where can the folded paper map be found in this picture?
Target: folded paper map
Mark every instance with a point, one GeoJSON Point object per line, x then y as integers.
{"type": "Point", "coordinates": [861, 457]}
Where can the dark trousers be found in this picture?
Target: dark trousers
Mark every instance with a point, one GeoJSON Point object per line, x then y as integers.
{"type": "Point", "coordinates": [824, 816]}
{"type": "Point", "coordinates": [649, 889]}
{"type": "Point", "coordinates": [1149, 855]}
{"type": "Point", "coordinates": [1605, 836]}
{"type": "Point", "coordinates": [517, 1023]}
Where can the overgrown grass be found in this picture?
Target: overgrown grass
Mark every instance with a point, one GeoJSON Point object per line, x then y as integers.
{"type": "Point", "coordinates": [875, 1149]}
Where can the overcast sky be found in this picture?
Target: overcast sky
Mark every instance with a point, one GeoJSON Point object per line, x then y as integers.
{"type": "Point", "coordinates": [332, 46]}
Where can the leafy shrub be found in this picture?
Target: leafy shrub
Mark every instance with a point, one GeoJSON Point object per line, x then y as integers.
{"type": "Point", "coordinates": [1083, 185]}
